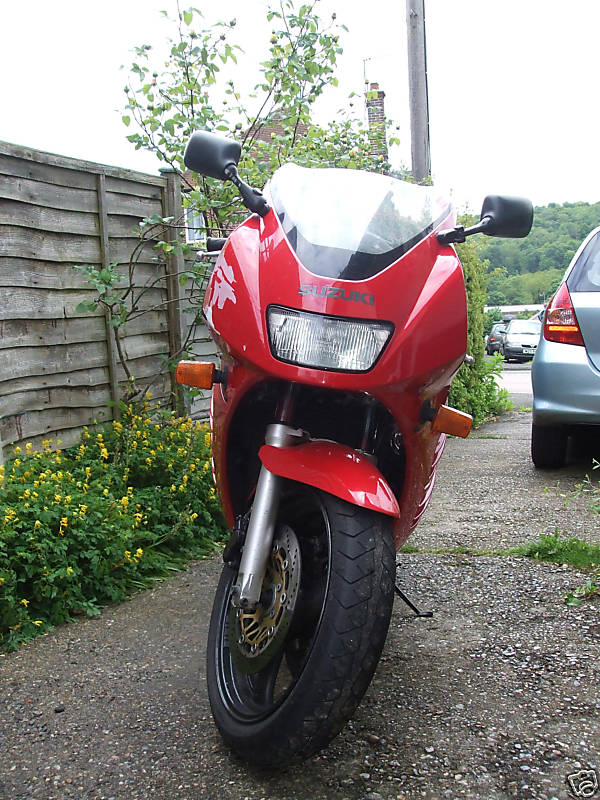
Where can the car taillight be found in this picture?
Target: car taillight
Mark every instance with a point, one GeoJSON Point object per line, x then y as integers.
{"type": "Point", "coordinates": [560, 322]}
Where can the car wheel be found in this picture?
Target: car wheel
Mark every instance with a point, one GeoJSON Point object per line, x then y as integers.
{"type": "Point", "coordinates": [548, 446]}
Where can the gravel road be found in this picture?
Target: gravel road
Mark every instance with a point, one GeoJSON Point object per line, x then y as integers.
{"type": "Point", "coordinates": [494, 697]}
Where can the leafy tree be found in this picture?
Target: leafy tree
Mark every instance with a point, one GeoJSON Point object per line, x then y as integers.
{"type": "Point", "coordinates": [193, 92]}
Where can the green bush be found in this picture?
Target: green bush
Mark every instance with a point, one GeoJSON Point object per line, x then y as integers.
{"type": "Point", "coordinates": [474, 389]}
{"type": "Point", "coordinates": [90, 525]}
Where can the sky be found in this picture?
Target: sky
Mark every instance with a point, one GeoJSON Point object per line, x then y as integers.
{"type": "Point", "coordinates": [512, 84]}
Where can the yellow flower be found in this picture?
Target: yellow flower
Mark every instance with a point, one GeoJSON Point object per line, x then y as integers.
{"type": "Point", "coordinates": [88, 472]}
{"type": "Point", "coordinates": [36, 525]}
{"type": "Point", "coordinates": [173, 487]}
{"type": "Point", "coordinates": [105, 493]}
{"type": "Point", "coordinates": [68, 499]}
{"type": "Point", "coordinates": [193, 516]}
{"type": "Point", "coordinates": [125, 501]}
{"type": "Point", "coordinates": [63, 524]}
{"type": "Point", "coordinates": [70, 570]}
{"type": "Point", "coordinates": [57, 498]}
{"type": "Point", "coordinates": [83, 509]}
{"type": "Point", "coordinates": [28, 447]}
{"type": "Point", "coordinates": [37, 622]}
{"type": "Point", "coordinates": [17, 450]}
{"type": "Point", "coordinates": [139, 552]}
{"type": "Point", "coordinates": [24, 602]}
{"type": "Point", "coordinates": [104, 452]}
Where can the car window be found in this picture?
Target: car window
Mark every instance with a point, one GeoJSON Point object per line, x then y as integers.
{"type": "Point", "coordinates": [585, 275]}
{"type": "Point", "coordinates": [524, 326]}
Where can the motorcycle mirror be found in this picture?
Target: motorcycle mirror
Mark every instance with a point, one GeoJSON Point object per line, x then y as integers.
{"type": "Point", "coordinates": [509, 217]}
{"type": "Point", "coordinates": [211, 155]}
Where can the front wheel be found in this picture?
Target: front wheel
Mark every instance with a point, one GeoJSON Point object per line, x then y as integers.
{"type": "Point", "coordinates": [284, 679]}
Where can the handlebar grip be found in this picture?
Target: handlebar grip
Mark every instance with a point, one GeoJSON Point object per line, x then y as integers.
{"type": "Point", "coordinates": [212, 245]}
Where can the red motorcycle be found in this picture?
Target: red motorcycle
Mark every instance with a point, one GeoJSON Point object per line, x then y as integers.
{"type": "Point", "coordinates": [339, 307]}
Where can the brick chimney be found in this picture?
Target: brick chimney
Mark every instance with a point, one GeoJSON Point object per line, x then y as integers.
{"type": "Point", "coordinates": [376, 114]}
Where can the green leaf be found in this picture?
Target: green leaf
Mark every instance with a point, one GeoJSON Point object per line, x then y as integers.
{"type": "Point", "coordinates": [188, 16]}
{"type": "Point", "coordinates": [126, 119]}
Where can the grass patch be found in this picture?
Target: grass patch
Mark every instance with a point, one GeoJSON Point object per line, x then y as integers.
{"type": "Point", "coordinates": [525, 408]}
{"type": "Point", "coordinates": [488, 436]}
{"type": "Point", "coordinates": [409, 548]}
{"type": "Point", "coordinates": [552, 548]}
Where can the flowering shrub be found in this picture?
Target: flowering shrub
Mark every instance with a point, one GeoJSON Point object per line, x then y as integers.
{"type": "Point", "coordinates": [90, 525]}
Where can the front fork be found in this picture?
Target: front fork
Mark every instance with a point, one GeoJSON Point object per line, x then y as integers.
{"type": "Point", "coordinates": [261, 525]}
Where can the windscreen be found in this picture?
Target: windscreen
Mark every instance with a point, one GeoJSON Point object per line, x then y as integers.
{"type": "Point", "coordinates": [349, 224]}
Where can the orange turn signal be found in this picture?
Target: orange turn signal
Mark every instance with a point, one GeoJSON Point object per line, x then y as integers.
{"type": "Point", "coordinates": [195, 373]}
{"type": "Point", "coordinates": [449, 420]}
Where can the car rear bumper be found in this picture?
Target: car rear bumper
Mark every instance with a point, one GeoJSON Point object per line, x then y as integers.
{"type": "Point", "coordinates": [566, 386]}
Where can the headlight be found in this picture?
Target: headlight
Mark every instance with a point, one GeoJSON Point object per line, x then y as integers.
{"type": "Point", "coordinates": [316, 340]}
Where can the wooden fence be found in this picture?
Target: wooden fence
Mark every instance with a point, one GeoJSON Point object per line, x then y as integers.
{"type": "Point", "coordinates": [59, 368]}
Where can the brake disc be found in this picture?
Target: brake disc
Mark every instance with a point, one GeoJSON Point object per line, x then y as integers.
{"type": "Point", "coordinates": [255, 637]}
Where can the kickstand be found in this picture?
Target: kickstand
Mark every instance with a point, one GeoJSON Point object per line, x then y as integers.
{"type": "Point", "coordinates": [410, 604]}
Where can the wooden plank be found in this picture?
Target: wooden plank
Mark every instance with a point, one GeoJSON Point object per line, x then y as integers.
{"type": "Point", "coordinates": [28, 303]}
{"type": "Point", "coordinates": [59, 397]}
{"type": "Point", "coordinates": [47, 173]}
{"type": "Point", "coordinates": [147, 344]}
{"type": "Point", "coordinates": [52, 359]}
{"type": "Point", "coordinates": [46, 194]}
{"type": "Point", "coordinates": [43, 423]}
{"type": "Point", "coordinates": [132, 206]}
{"type": "Point", "coordinates": [16, 333]}
{"type": "Point", "coordinates": [42, 157]}
{"type": "Point", "coordinates": [84, 377]}
{"type": "Point", "coordinates": [26, 215]}
{"type": "Point", "coordinates": [134, 187]}
{"type": "Point", "coordinates": [53, 275]}
{"type": "Point", "coordinates": [145, 369]}
{"type": "Point", "coordinates": [33, 361]}
{"type": "Point", "coordinates": [25, 303]}
{"type": "Point", "coordinates": [49, 246]}
{"type": "Point", "coordinates": [121, 251]}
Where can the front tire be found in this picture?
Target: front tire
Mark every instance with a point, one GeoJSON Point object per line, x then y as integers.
{"type": "Point", "coordinates": [320, 669]}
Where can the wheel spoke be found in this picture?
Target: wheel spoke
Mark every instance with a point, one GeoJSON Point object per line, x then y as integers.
{"type": "Point", "coordinates": [262, 684]}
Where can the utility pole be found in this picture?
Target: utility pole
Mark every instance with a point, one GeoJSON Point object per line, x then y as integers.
{"type": "Point", "coordinates": [417, 90]}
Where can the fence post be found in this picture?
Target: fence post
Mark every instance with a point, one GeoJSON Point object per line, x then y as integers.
{"type": "Point", "coordinates": [111, 346]}
{"type": "Point", "coordinates": [173, 207]}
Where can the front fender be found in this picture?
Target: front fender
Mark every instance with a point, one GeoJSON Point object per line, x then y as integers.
{"type": "Point", "coordinates": [334, 468]}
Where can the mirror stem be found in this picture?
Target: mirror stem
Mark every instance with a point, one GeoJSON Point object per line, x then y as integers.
{"type": "Point", "coordinates": [460, 233]}
{"type": "Point", "coordinates": [252, 198]}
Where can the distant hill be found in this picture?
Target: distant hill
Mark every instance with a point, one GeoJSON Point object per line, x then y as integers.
{"type": "Point", "coordinates": [529, 270]}
{"type": "Point", "coordinates": [557, 232]}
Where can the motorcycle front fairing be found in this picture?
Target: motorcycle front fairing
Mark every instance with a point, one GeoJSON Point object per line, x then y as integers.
{"type": "Point", "coordinates": [309, 254]}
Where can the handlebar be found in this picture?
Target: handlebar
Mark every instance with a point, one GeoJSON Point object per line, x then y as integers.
{"type": "Point", "coordinates": [213, 245]}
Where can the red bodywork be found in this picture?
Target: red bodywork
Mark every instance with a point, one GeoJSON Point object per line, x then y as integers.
{"type": "Point", "coordinates": [422, 294]}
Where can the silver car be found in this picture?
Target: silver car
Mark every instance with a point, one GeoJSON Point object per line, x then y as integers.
{"type": "Point", "coordinates": [520, 339]}
{"type": "Point", "coordinates": [566, 367]}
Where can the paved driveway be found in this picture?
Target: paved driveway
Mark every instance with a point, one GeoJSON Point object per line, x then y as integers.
{"type": "Point", "coordinates": [495, 697]}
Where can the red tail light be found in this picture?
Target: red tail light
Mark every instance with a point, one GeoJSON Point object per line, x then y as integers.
{"type": "Point", "coordinates": [560, 322]}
